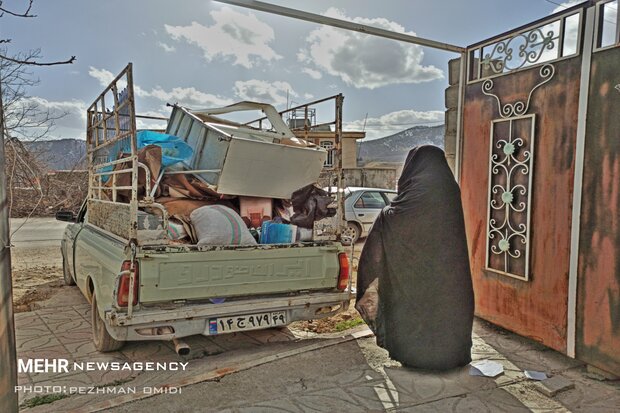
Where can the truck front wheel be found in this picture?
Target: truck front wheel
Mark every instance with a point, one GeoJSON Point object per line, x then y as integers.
{"type": "Point", "coordinates": [65, 272]}
{"type": "Point", "coordinates": [103, 341]}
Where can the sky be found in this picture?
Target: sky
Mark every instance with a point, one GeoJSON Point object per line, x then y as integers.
{"type": "Point", "coordinates": [205, 54]}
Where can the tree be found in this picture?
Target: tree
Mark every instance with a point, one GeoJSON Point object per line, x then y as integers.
{"type": "Point", "coordinates": [22, 115]}
{"type": "Point", "coordinates": [8, 357]}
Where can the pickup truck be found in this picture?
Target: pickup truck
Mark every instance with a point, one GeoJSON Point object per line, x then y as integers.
{"type": "Point", "coordinates": [181, 291]}
{"type": "Point", "coordinates": [141, 284]}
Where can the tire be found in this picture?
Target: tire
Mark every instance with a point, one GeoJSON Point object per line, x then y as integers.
{"type": "Point", "coordinates": [65, 272]}
{"type": "Point", "coordinates": [103, 341]}
{"type": "Point", "coordinates": [353, 231]}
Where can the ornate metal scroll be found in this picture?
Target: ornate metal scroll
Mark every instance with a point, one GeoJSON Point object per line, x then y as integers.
{"type": "Point", "coordinates": [549, 40]}
{"type": "Point", "coordinates": [531, 47]}
{"type": "Point", "coordinates": [518, 108]}
{"type": "Point", "coordinates": [511, 158]}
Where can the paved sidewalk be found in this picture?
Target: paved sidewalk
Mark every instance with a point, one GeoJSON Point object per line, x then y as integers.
{"type": "Point", "coordinates": [65, 333]}
{"type": "Point", "coordinates": [356, 376]}
{"type": "Point", "coordinates": [275, 370]}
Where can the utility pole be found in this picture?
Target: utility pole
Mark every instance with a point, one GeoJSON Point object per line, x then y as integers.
{"type": "Point", "coordinates": [8, 356]}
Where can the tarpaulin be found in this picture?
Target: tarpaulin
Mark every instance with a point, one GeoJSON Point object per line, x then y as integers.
{"type": "Point", "coordinates": [310, 204]}
{"type": "Point", "coordinates": [417, 251]}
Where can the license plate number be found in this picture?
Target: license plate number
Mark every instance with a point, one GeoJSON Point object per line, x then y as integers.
{"type": "Point", "coordinates": [246, 322]}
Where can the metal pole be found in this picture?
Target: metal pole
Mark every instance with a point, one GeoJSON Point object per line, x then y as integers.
{"type": "Point", "coordinates": [8, 357]}
{"type": "Point", "coordinates": [582, 117]}
{"type": "Point", "coordinates": [342, 24]}
{"type": "Point", "coordinates": [339, 170]}
{"type": "Point", "coordinates": [459, 118]}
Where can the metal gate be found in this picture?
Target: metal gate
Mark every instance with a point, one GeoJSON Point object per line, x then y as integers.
{"type": "Point", "coordinates": [540, 178]}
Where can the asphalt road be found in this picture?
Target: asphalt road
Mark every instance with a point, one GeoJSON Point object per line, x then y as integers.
{"type": "Point", "coordinates": [39, 232]}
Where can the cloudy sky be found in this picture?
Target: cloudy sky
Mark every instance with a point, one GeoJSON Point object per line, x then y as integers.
{"type": "Point", "coordinates": [206, 54]}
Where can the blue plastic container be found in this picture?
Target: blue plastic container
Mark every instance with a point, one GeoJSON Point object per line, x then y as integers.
{"type": "Point", "coordinates": [273, 232]}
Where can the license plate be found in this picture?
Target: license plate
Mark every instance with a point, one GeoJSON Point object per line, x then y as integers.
{"type": "Point", "coordinates": [246, 322]}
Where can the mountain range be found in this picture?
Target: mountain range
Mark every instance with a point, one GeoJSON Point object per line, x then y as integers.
{"type": "Point", "coordinates": [59, 154]}
{"type": "Point", "coordinates": [394, 148]}
{"type": "Point", "coordinates": [67, 154]}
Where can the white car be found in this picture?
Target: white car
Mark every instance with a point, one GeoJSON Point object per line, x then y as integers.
{"type": "Point", "coordinates": [361, 208]}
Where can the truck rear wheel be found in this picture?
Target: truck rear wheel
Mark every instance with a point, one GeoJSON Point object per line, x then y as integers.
{"type": "Point", "coordinates": [103, 341]}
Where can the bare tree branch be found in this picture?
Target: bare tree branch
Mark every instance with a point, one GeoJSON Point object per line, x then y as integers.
{"type": "Point", "coordinates": [33, 63]}
{"type": "Point", "coordinates": [24, 14]}
{"type": "Point", "coordinates": [25, 117]}
{"type": "Point", "coordinates": [5, 41]}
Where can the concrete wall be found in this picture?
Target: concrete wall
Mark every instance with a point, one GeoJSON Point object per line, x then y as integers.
{"type": "Point", "coordinates": [451, 117]}
{"type": "Point", "coordinates": [365, 177]}
{"type": "Point", "coordinates": [349, 147]}
{"type": "Point", "coordinates": [349, 153]}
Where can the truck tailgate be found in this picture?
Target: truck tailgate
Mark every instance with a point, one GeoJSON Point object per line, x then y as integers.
{"type": "Point", "coordinates": [192, 275]}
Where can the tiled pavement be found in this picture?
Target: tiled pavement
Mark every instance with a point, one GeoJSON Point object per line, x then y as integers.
{"type": "Point", "coordinates": [65, 333]}
{"type": "Point", "coordinates": [348, 376]}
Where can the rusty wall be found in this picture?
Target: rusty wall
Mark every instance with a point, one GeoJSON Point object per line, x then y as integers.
{"type": "Point", "coordinates": [598, 299]}
{"type": "Point", "coordinates": [536, 308]}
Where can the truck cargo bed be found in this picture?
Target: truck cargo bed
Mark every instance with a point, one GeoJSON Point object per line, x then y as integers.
{"type": "Point", "coordinates": [178, 273]}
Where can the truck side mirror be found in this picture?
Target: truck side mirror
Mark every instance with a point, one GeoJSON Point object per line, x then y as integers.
{"type": "Point", "coordinates": [65, 216]}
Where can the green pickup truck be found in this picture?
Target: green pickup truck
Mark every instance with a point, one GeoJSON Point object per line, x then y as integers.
{"type": "Point", "coordinates": [141, 284]}
{"type": "Point", "coordinates": [184, 290]}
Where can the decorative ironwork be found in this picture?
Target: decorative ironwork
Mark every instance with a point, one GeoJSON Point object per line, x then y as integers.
{"type": "Point", "coordinates": [510, 179]}
{"type": "Point", "coordinates": [518, 108]}
{"type": "Point", "coordinates": [555, 38]}
{"type": "Point", "coordinates": [511, 157]}
{"type": "Point", "coordinates": [531, 47]}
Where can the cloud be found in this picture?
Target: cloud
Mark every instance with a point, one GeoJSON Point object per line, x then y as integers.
{"type": "Point", "coordinates": [69, 117]}
{"type": "Point", "coordinates": [365, 61]}
{"type": "Point", "coordinates": [102, 75]}
{"type": "Point", "coordinates": [163, 111]}
{"type": "Point", "coordinates": [314, 74]}
{"type": "Point", "coordinates": [166, 47]}
{"type": "Point", "coordinates": [241, 37]}
{"type": "Point", "coordinates": [395, 121]}
{"type": "Point", "coordinates": [76, 106]}
{"type": "Point", "coordinates": [186, 96]}
{"type": "Point", "coordinates": [571, 32]}
{"type": "Point", "coordinates": [105, 77]}
{"type": "Point", "coordinates": [262, 91]}
{"type": "Point", "coordinates": [189, 96]}
{"type": "Point", "coordinates": [565, 5]}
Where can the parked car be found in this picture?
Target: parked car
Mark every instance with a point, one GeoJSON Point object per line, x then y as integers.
{"type": "Point", "coordinates": [361, 208]}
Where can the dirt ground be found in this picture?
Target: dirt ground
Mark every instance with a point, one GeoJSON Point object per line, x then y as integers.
{"type": "Point", "coordinates": [37, 276]}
